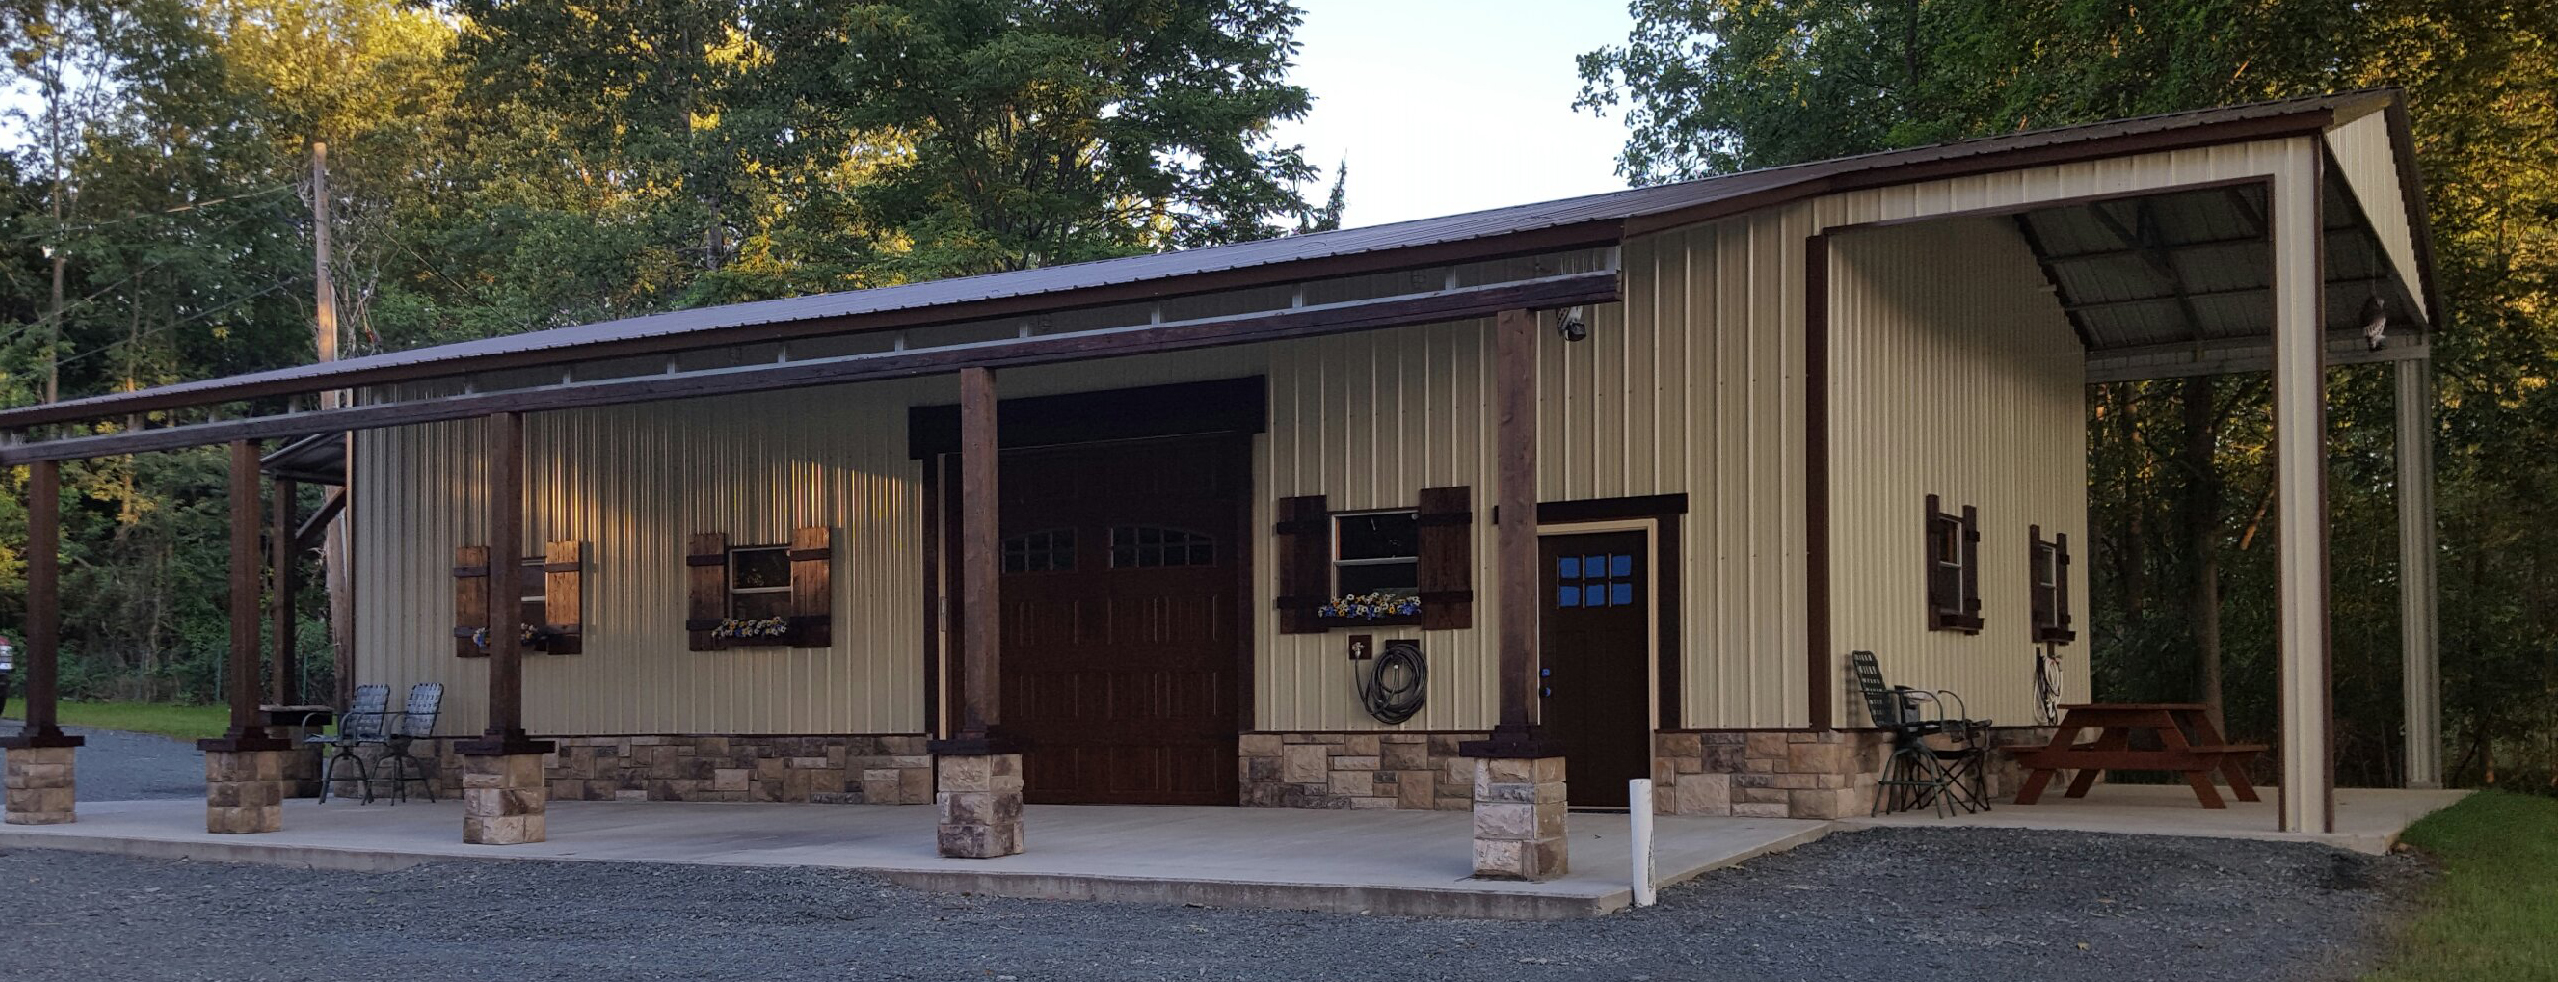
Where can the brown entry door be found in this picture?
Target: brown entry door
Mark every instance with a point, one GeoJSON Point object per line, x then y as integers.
{"type": "Point", "coordinates": [1121, 641]}
{"type": "Point", "coordinates": [1597, 630]}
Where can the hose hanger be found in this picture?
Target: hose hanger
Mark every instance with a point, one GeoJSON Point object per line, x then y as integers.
{"type": "Point", "coordinates": [1391, 684]}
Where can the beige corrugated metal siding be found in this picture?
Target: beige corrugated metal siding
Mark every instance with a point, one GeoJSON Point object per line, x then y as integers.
{"type": "Point", "coordinates": [1693, 384]}
{"type": "Point", "coordinates": [633, 482]}
{"type": "Point", "coordinates": [2370, 167]}
{"type": "Point", "coordinates": [1953, 372]}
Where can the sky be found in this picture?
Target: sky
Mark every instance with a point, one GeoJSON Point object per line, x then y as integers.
{"type": "Point", "coordinates": [1447, 106]}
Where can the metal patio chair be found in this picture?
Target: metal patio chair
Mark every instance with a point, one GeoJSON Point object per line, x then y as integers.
{"type": "Point", "coordinates": [366, 722]}
{"type": "Point", "coordinates": [1938, 761]}
{"type": "Point", "coordinates": [416, 722]}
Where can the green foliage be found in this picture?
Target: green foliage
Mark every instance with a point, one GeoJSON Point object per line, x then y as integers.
{"type": "Point", "coordinates": [505, 165]}
{"type": "Point", "coordinates": [2489, 916]}
{"type": "Point", "coordinates": [1709, 86]}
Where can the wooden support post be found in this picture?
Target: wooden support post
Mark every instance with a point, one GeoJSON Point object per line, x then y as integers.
{"type": "Point", "coordinates": [505, 732]}
{"type": "Point", "coordinates": [1514, 540]}
{"type": "Point", "coordinates": [980, 709]}
{"type": "Point", "coordinates": [977, 772]}
{"type": "Point", "coordinates": [44, 613]}
{"type": "Point", "coordinates": [2300, 478]}
{"type": "Point", "coordinates": [285, 689]}
{"type": "Point", "coordinates": [1514, 548]}
{"type": "Point", "coordinates": [2419, 613]}
{"type": "Point", "coordinates": [247, 734]}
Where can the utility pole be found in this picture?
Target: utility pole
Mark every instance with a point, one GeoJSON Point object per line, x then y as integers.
{"type": "Point", "coordinates": [61, 245]}
{"type": "Point", "coordinates": [324, 343]}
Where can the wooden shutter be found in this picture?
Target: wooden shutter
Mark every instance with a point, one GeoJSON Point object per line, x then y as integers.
{"type": "Point", "coordinates": [2039, 596]}
{"type": "Point", "coordinates": [563, 601]}
{"type": "Point", "coordinates": [812, 590]}
{"type": "Point", "coordinates": [1446, 577]}
{"type": "Point", "coordinates": [1971, 568]}
{"type": "Point", "coordinates": [470, 599]}
{"type": "Point", "coordinates": [1944, 587]}
{"type": "Point", "coordinates": [1305, 562]}
{"type": "Point", "coordinates": [2060, 588]}
{"type": "Point", "coordinates": [706, 589]}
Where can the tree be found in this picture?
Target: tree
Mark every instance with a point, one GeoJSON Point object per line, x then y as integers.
{"type": "Point", "coordinates": [1030, 134]}
{"type": "Point", "coordinates": [1709, 86]}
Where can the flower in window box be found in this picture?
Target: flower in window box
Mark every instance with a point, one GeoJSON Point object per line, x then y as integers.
{"type": "Point", "coordinates": [527, 635]}
{"type": "Point", "coordinates": [1369, 607]}
{"type": "Point", "coordinates": [768, 628]}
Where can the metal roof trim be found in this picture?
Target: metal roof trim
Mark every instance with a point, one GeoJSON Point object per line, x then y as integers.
{"type": "Point", "coordinates": [1587, 220]}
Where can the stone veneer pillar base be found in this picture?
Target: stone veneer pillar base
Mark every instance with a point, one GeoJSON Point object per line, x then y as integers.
{"type": "Point", "coordinates": [244, 791]}
{"type": "Point", "coordinates": [979, 804]}
{"type": "Point", "coordinates": [40, 786]}
{"type": "Point", "coordinates": [1518, 818]}
{"type": "Point", "coordinates": [505, 801]}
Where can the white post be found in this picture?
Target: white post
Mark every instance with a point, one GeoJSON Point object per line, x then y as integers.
{"type": "Point", "coordinates": [2300, 481]}
{"type": "Point", "coordinates": [2419, 616]}
{"type": "Point", "coordinates": [1638, 800]}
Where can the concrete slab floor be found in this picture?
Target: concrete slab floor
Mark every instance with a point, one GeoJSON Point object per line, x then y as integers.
{"type": "Point", "coordinates": [2368, 820]}
{"type": "Point", "coordinates": [1382, 861]}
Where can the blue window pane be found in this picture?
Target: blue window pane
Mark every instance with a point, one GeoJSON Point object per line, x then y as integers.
{"type": "Point", "coordinates": [1621, 565]}
{"type": "Point", "coordinates": [1568, 568]}
{"type": "Point", "coordinates": [1595, 596]}
{"type": "Point", "coordinates": [1594, 566]}
{"type": "Point", "coordinates": [1569, 596]}
{"type": "Point", "coordinates": [1621, 594]}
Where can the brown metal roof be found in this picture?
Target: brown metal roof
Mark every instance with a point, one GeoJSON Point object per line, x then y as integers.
{"type": "Point", "coordinates": [1571, 222]}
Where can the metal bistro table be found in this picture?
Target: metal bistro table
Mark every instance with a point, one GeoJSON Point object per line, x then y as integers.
{"type": "Point", "coordinates": [2197, 756]}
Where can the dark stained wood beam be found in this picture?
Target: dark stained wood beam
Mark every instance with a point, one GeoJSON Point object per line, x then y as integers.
{"type": "Point", "coordinates": [505, 463]}
{"type": "Point", "coordinates": [316, 527]}
{"type": "Point", "coordinates": [1311, 321]}
{"type": "Point", "coordinates": [42, 724]}
{"type": "Point", "coordinates": [247, 731]}
{"type": "Point", "coordinates": [981, 641]}
{"type": "Point", "coordinates": [1579, 235]}
{"type": "Point", "coordinates": [1514, 542]}
{"type": "Point", "coordinates": [286, 687]}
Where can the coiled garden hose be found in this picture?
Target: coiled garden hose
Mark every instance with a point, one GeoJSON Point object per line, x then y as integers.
{"type": "Point", "coordinates": [1391, 684]}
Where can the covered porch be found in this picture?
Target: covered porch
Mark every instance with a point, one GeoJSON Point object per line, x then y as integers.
{"type": "Point", "coordinates": [1347, 861]}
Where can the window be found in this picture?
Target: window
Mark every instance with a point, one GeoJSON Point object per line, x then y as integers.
{"type": "Point", "coordinates": [1144, 546]}
{"type": "Point", "coordinates": [1953, 568]}
{"type": "Point", "coordinates": [1602, 580]}
{"type": "Point", "coordinates": [758, 582]}
{"type": "Point", "coordinates": [2051, 587]}
{"type": "Point", "coordinates": [532, 593]}
{"type": "Point", "coordinates": [1377, 552]}
{"type": "Point", "coordinates": [1044, 551]}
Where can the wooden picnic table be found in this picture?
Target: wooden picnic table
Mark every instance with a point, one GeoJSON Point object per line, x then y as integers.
{"type": "Point", "coordinates": [2197, 757]}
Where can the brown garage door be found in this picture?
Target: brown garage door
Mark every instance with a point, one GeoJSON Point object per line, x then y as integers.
{"type": "Point", "coordinates": [1121, 644]}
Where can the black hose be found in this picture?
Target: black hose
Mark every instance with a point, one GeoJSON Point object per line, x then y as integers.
{"type": "Point", "coordinates": [1390, 688]}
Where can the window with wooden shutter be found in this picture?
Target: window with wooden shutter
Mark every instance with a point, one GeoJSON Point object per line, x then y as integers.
{"type": "Point", "coordinates": [812, 589]}
{"type": "Point", "coordinates": [1304, 532]}
{"type": "Point", "coordinates": [1953, 568]}
{"type": "Point", "coordinates": [470, 600]}
{"type": "Point", "coordinates": [563, 601]}
{"type": "Point", "coordinates": [2050, 582]}
{"type": "Point", "coordinates": [705, 590]}
{"type": "Point", "coordinates": [1447, 558]}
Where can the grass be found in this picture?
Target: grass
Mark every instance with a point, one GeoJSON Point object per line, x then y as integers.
{"type": "Point", "coordinates": [181, 722]}
{"type": "Point", "coordinates": [2494, 913]}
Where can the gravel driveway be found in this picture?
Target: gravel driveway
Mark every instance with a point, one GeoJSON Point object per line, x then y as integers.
{"type": "Point", "coordinates": [1920, 904]}
{"type": "Point", "coordinates": [120, 766]}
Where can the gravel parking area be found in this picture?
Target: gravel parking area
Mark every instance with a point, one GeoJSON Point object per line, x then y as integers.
{"type": "Point", "coordinates": [120, 766]}
{"type": "Point", "coordinates": [1950, 904]}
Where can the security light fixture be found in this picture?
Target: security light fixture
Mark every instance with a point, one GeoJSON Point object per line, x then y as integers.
{"type": "Point", "coordinates": [1571, 324]}
{"type": "Point", "coordinates": [2376, 322]}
